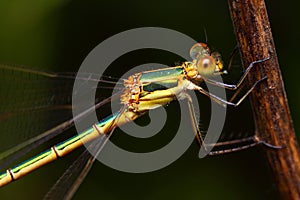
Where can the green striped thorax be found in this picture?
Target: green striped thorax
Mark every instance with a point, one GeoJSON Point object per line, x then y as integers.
{"type": "Point", "coordinates": [143, 85]}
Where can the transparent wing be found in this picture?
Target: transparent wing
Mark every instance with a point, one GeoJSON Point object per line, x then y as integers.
{"type": "Point", "coordinates": [68, 183]}
{"type": "Point", "coordinates": [35, 106]}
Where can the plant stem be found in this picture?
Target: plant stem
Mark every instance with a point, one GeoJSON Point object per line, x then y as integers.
{"type": "Point", "coordinates": [272, 117]}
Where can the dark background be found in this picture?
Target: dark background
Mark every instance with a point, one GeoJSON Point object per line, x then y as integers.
{"type": "Point", "coordinates": [57, 35]}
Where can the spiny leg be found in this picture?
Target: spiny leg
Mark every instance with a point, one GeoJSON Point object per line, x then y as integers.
{"type": "Point", "coordinates": [224, 102]}
{"type": "Point", "coordinates": [237, 92]}
{"type": "Point", "coordinates": [234, 87]}
{"type": "Point", "coordinates": [232, 142]}
{"type": "Point", "coordinates": [197, 131]}
{"type": "Point", "coordinates": [223, 151]}
{"type": "Point", "coordinates": [255, 141]}
{"type": "Point", "coordinates": [195, 126]}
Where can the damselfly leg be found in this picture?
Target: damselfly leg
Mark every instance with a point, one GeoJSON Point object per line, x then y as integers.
{"type": "Point", "coordinates": [197, 52]}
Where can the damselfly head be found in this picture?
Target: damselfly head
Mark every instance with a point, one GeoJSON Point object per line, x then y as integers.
{"type": "Point", "coordinates": [199, 50]}
{"type": "Point", "coordinates": [206, 62]}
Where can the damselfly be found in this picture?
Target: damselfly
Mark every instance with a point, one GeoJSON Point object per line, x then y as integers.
{"type": "Point", "coordinates": [142, 92]}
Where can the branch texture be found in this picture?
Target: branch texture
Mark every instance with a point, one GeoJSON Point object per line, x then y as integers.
{"type": "Point", "coordinates": [272, 118]}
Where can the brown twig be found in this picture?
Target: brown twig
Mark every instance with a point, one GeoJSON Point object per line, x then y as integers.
{"type": "Point", "coordinates": [270, 108]}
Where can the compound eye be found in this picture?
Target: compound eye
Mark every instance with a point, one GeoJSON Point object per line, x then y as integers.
{"type": "Point", "coordinates": [198, 50]}
{"type": "Point", "coordinates": [206, 66]}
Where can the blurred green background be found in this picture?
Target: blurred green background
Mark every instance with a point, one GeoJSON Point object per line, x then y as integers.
{"type": "Point", "coordinates": [57, 35]}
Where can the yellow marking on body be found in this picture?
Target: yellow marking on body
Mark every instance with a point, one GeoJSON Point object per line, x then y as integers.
{"type": "Point", "coordinates": [7, 179]}
{"type": "Point", "coordinates": [22, 172]}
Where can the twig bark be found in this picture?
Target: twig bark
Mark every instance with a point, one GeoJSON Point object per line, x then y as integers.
{"type": "Point", "coordinates": [272, 118]}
